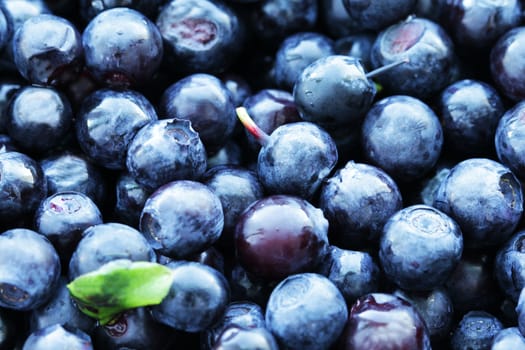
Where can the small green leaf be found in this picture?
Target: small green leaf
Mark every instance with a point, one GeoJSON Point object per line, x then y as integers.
{"type": "Point", "coordinates": [120, 285]}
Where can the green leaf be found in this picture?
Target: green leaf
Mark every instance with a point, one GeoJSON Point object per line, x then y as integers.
{"type": "Point", "coordinates": [120, 285]}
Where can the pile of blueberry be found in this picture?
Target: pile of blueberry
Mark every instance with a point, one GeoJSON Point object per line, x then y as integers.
{"type": "Point", "coordinates": [316, 174]}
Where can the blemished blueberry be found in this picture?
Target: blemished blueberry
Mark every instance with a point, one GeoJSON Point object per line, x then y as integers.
{"type": "Point", "coordinates": [47, 50]}
{"type": "Point", "coordinates": [476, 330]}
{"type": "Point", "coordinates": [235, 337]}
{"type": "Point", "coordinates": [198, 297]}
{"type": "Point", "coordinates": [182, 218]}
{"type": "Point", "coordinates": [39, 118]}
{"type": "Point", "coordinates": [57, 336]}
{"type": "Point", "coordinates": [130, 197]}
{"type": "Point", "coordinates": [30, 269]}
{"type": "Point", "coordinates": [508, 338]}
{"type": "Point", "coordinates": [122, 47]}
{"type": "Point", "coordinates": [107, 122]}
{"type": "Point", "coordinates": [205, 101]}
{"type": "Point", "coordinates": [166, 150]}
{"type": "Point", "coordinates": [357, 201]}
{"type": "Point", "coordinates": [199, 36]}
{"type": "Point", "coordinates": [300, 145]}
{"type": "Point", "coordinates": [484, 198]}
{"type": "Point", "coordinates": [107, 242]}
{"type": "Point", "coordinates": [509, 142]}
{"type": "Point", "coordinates": [509, 266]}
{"type": "Point", "coordinates": [384, 321]}
{"type": "Point", "coordinates": [375, 15]}
{"type": "Point", "coordinates": [329, 76]}
{"type": "Point", "coordinates": [402, 135]}
{"type": "Point", "coordinates": [470, 111]}
{"type": "Point", "coordinates": [306, 311]}
{"type": "Point", "coordinates": [432, 61]}
{"type": "Point", "coordinates": [420, 247]}
{"type": "Point", "coordinates": [295, 53]}
{"type": "Point", "coordinates": [281, 235]}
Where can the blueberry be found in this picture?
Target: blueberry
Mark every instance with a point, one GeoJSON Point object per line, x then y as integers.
{"type": "Point", "coordinates": [230, 154]}
{"type": "Point", "coordinates": [306, 311]}
{"type": "Point", "coordinates": [90, 8]}
{"type": "Point", "coordinates": [30, 269]}
{"type": "Point", "coordinates": [182, 218]}
{"type": "Point", "coordinates": [520, 310]}
{"type": "Point", "coordinates": [485, 199]}
{"type": "Point", "coordinates": [376, 15]}
{"type": "Point", "coordinates": [8, 88]}
{"type": "Point", "coordinates": [122, 47]}
{"type": "Point", "coordinates": [420, 247]}
{"type": "Point", "coordinates": [335, 19]}
{"type": "Point", "coordinates": [245, 286]}
{"type": "Point", "coordinates": [509, 266]}
{"type": "Point", "coordinates": [509, 144]}
{"type": "Point", "coordinates": [130, 199]}
{"type": "Point", "coordinates": [508, 338]}
{"type": "Point", "coordinates": [107, 122]}
{"type": "Point", "coordinates": [237, 85]}
{"type": "Point", "coordinates": [356, 45]}
{"type": "Point", "coordinates": [476, 330]}
{"type": "Point", "coordinates": [235, 337]}
{"type": "Point", "coordinates": [55, 337]}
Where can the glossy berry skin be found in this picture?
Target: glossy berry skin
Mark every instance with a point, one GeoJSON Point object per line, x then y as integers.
{"type": "Point", "coordinates": [509, 266]}
{"type": "Point", "coordinates": [47, 50]}
{"type": "Point", "coordinates": [334, 75]}
{"type": "Point", "coordinates": [107, 242]}
{"type": "Point", "coordinates": [130, 197]}
{"type": "Point", "coordinates": [122, 47]}
{"type": "Point", "coordinates": [30, 269]}
{"type": "Point", "coordinates": [357, 201]}
{"type": "Point", "coordinates": [353, 272]}
{"type": "Point", "coordinates": [182, 218]}
{"type": "Point", "coordinates": [403, 136]}
{"type": "Point", "coordinates": [375, 15]}
{"type": "Point", "coordinates": [199, 36]}
{"type": "Point", "coordinates": [236, 337]}
{"type": "Point", "coordinates": [384, 321]}
{"type": "Point", "coordinates": [470, 111]}
{"type": "Point", "coordinates": [58, 337]}
{"type": "Point", "coordinates": [484, 198]}
{"type": "Point", "coordinates": [507, 64]}
{"type": "Point", "coordinates": [205, 101]}
{"type": "Point", "coordinates": [22, 186]}
{"type": "Point", "coordinates": [197, 298]}
{"type": "Point", "coordinates": [420, 247]}
{"type": "Point", "coordinates": [301, 145]}
{"type": "Point", "coordinates": [107, 122]}
{"type": "Point", "coordinates": [39, 118]}
{"type": "Point", "coordinates": [281, 235]}
{"type": "Point", "coordinates": [306, 311]}
{"type": "Point", "coordinates": [508, 338]}
{"type": "Point", "coordinates": [63, 216]}
{"type": "Point", "coordinates": [510, 147]}
{"type": "Point", "coordinates": [297, 52]}
{"type": "Point", "coordinates": [476, 330]}
{"type": "Point", "coordinates": [166, 150]}
{"type": "Point", "coordinates": [425, 43]}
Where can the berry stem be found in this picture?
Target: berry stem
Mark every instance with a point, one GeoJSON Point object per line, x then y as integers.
{"type": "Point", "coordinates": [387, 67]}
{"type": "Point", "coordinates": [250, 125]}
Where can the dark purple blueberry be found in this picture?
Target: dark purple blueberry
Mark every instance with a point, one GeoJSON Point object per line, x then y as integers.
{"type": "Point", "coordinates": [205, 101]}
{"type": "Point", "coordinates": [334, 91]}
{"type": "Point", "coordinates": [377, 14]}
{"type": "Point", "coordinates": [90, 8]}
{"type": "Point", "coordinates": [269, 109]}
{"type": "Point", "coordinates": [356, 45]}
{"type": "Point", "coordinates": [296, 52]}
{"type": "Point", "coordinates": [198, 297]}
{"type": "Point", "coordinates": [420, 247]}
{"type": "Point", "coordinates": [237, 337]}
{"type": "Point", "coordinates": [107, 122]}
{"type": "Point", "coordinates": [470, 111]}
{"type": "Point", "coordinates": [476, 330]}
{"type": "Point", "coordinates": [134, 329]}
{"type": "Point", "coordinates": [30, 269]}
{"type": "Point", "coordinates": [199, 36]}
{"type": "Point", "coordinates": [508, 338]}
{"type": "Point", "coordinates": [63, 216]}
{"type": "Point", "coordinates": [39, 118]}
{"type": "Point", "coordinates": [509, 266]}
{"type": "Point", "coordinates": [22, 186]}
{"type": "Point", "coordinates": [432, 63]}
{"type": "Point", "coordinates": [357, 201]}
{"type": "Point", "coordinates": [306, 311]}
{"type": "Point", "coordinates": [182, 218]}
{"type": "Point", "coordinates": [236, 188]}
{"type": "Point", "coordinates": [484, 198]}
{"type": "Point", "coordinates": [510, 145]}
{"type": "Point", "coordinates": [107, 242]}
{"type": "Point", "coordinates": [57, 336]}
{"type": "Point", "coordinates": [166, 150]}
{"type": "Point", "coordinates": [384, 321]}
{"type": "Point", "coordinates": [354, 273]}
{"type": "Point", "coordinates": [130, 199]}
{"type": "Point", "coordinates": [47, 49]}
{"type": "Point", "coordinates": [281, 235]}
{"type": "Point", "coordinates": [403, 136]}
{"type": "Point", "coordinates": [296, 160]}
{"type": "Point", "coordinates": [122, 47]}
